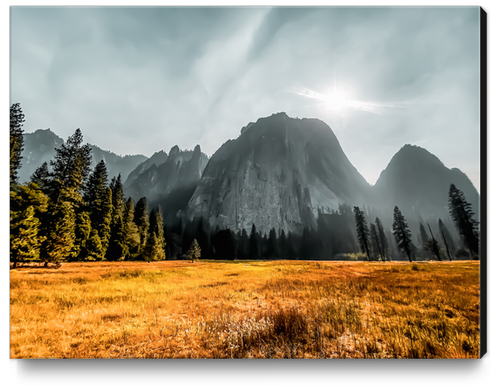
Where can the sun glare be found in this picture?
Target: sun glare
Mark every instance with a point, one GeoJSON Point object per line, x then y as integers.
{"type": "Point", "coordinates": [336, 100]}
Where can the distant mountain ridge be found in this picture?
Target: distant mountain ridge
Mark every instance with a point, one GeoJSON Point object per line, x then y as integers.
{"type": "Point", "coordinates": [160, 174]}
{"type": "Point", "coordinates": [418, 183]}
{"type": "Point", "coordinates": [40, 146]}
{"type": "Point", "coordinates": [280, 173]}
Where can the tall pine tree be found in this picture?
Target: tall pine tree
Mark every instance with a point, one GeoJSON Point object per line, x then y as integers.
{"type": "Point", "coordinates": [61, 236]}
{"type": "Point", "coordinates": [70, 169]}
{"type": "Point", "coordinates": [24, 240]}
{"type": "Point", "coordinates": [382, 239]}
{"type": "Point", "coordinates": [362, 231]}
{"type": "Point", "coordinates": [402, 233]}
{"type": "Point", "coordinates": [155, 246]}
{"type": "Point", "coordinates": [98, 197]}
{"type": "Point", "coordinates": [462, 216]}
{"type": "Point", "coordinates": [117, 249]}
{"type": "Point", "coordinates": [375, 242]}
{"type": "Point", "coordinates": [142, 221]}
{"type": "Point", "coordinates": [28, 205]}
{"type": "Point", "coordinates": [16, 141]}
{"type": "Point", "coordinates": [131, 231]}
{"type": "Point", "coordinates": [117, 197]}
{"type": "Point", "coordinates": [41, 177]}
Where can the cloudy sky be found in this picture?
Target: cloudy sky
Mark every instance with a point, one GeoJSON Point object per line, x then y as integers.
{"type": "Point", "coordinates": [139, 80]}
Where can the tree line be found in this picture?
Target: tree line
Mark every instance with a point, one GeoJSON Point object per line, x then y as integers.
{"type": "Point", "coordinates": [68, 212]}
{"type": "Point", "coordinates": [372, 241]}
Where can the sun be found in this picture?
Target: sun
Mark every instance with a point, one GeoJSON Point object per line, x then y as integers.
{"type": "Point", "coordinates": [336, 100]}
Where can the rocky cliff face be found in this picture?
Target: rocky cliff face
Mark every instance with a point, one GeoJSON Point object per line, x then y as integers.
{"type": "Point", "coordinates": [180, 169]}
{"type": "Point", "coordinates": [156, 159]}
{"type": "Point", "coordinates": [40, 147]}
{"type": "Point", "coordinates": [418, 183]}
{"type": "Point", "coordinates": [278, 173]}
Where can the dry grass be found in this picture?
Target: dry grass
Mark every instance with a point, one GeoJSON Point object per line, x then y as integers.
{"type": "Point", "coordinates": [279, 309]}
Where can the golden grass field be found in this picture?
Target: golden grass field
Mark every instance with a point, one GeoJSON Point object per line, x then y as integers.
{"type": "Point", "coordinates": [247, 309]}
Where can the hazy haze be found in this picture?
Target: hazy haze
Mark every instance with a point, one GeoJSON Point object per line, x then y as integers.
{"type": "Point", "coordinates": [139, 80]}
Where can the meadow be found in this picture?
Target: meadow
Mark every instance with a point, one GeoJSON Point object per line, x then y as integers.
{"type": "Point", "coordinates": [246, 309]}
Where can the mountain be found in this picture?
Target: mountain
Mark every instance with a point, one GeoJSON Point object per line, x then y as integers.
{"type": "Point", "coordinates": [278, 173]}
{"type": "Point", "coordinates": [40, 146]}
{"type": "Point", "coordinates": [154, 180]}
{"type": "Point", "coordinates": [156, 159]}
{"type": "Point", "coordinates": [418, 183]}
{"type": "Point", "coordinates": [116, 164]}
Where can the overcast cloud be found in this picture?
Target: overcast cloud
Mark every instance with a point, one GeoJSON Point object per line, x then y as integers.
{"type": "Point", "coordinates": [139, 80]}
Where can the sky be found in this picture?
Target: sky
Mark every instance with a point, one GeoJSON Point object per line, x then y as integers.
{"type": "Point", "coordinates": [141, 80]}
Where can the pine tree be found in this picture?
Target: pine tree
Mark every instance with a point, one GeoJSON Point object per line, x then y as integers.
{"type": "Point", "coordinates": [142, 221]}
{"type": "Point", "coordinates": [382, 239]}
{"type": "Point", "coordinates": [117, 249]}
{"type": "Point", "coordinates": [70, 169]}
{"type": "Point", "coordinates": [61, 235]}
{"type": "Point", "coordinates": [117, 197]}
{"type": "Point", "coordinates": [194, 252]}
{"type": "Point", "coordinates": [95, 250]}
{"type": "Point", "coordinates": [362, 231]}
{"type": "Point", "coordinates": [41, 177]}
{"type": "Point", "coordinates": [448, 240]}
{"type": "Point", "coordinates": [254, 247]}
{"type": "Point", "coordinates": [155, 248]}
{"type": "Point", "coordinates": [375, 242]}
{"type": "Point", "coordinates": [104, 220]}
{"type": "Point", "coordinates": [131, 230]}
{"type": "Point", "coordinates": [462, 216]}
{"type": "Point", "coordinates": [24, 240]}
{"type": "Point", "coordinates": [96, 185]}
{"type": "Point", "coordinates": [23, 196]}
{"type": "Point", "coordinates": [272, 247]}
{"type": "Point", "coordinates": [83, 229]}
{"type": "Point", "coordinates": [28, 204]}
{"type": "Point", "coordinates": [402, 233]}
{"type": "Point", "coordinates": [158, 230]}
{"type": "Point", "coordinates": [98, 197]}
{"type": "Point", "coordinates": [16, 141]}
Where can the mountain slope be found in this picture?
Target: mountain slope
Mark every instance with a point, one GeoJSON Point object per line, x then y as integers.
{"type": "Point", "coordinates": [156, 159]}
{"type": "Point", "coordinates": [418, 183]}
{"type": "Point", "coordinates": [39, 147]}
{"type": "Point", "coordinates": [180, 169]}
{"type": "Point", "coordinates": [278, 173]}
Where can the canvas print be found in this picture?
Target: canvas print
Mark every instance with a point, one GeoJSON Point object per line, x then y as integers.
{"type": "Point", "coordinates": [246, 182]}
